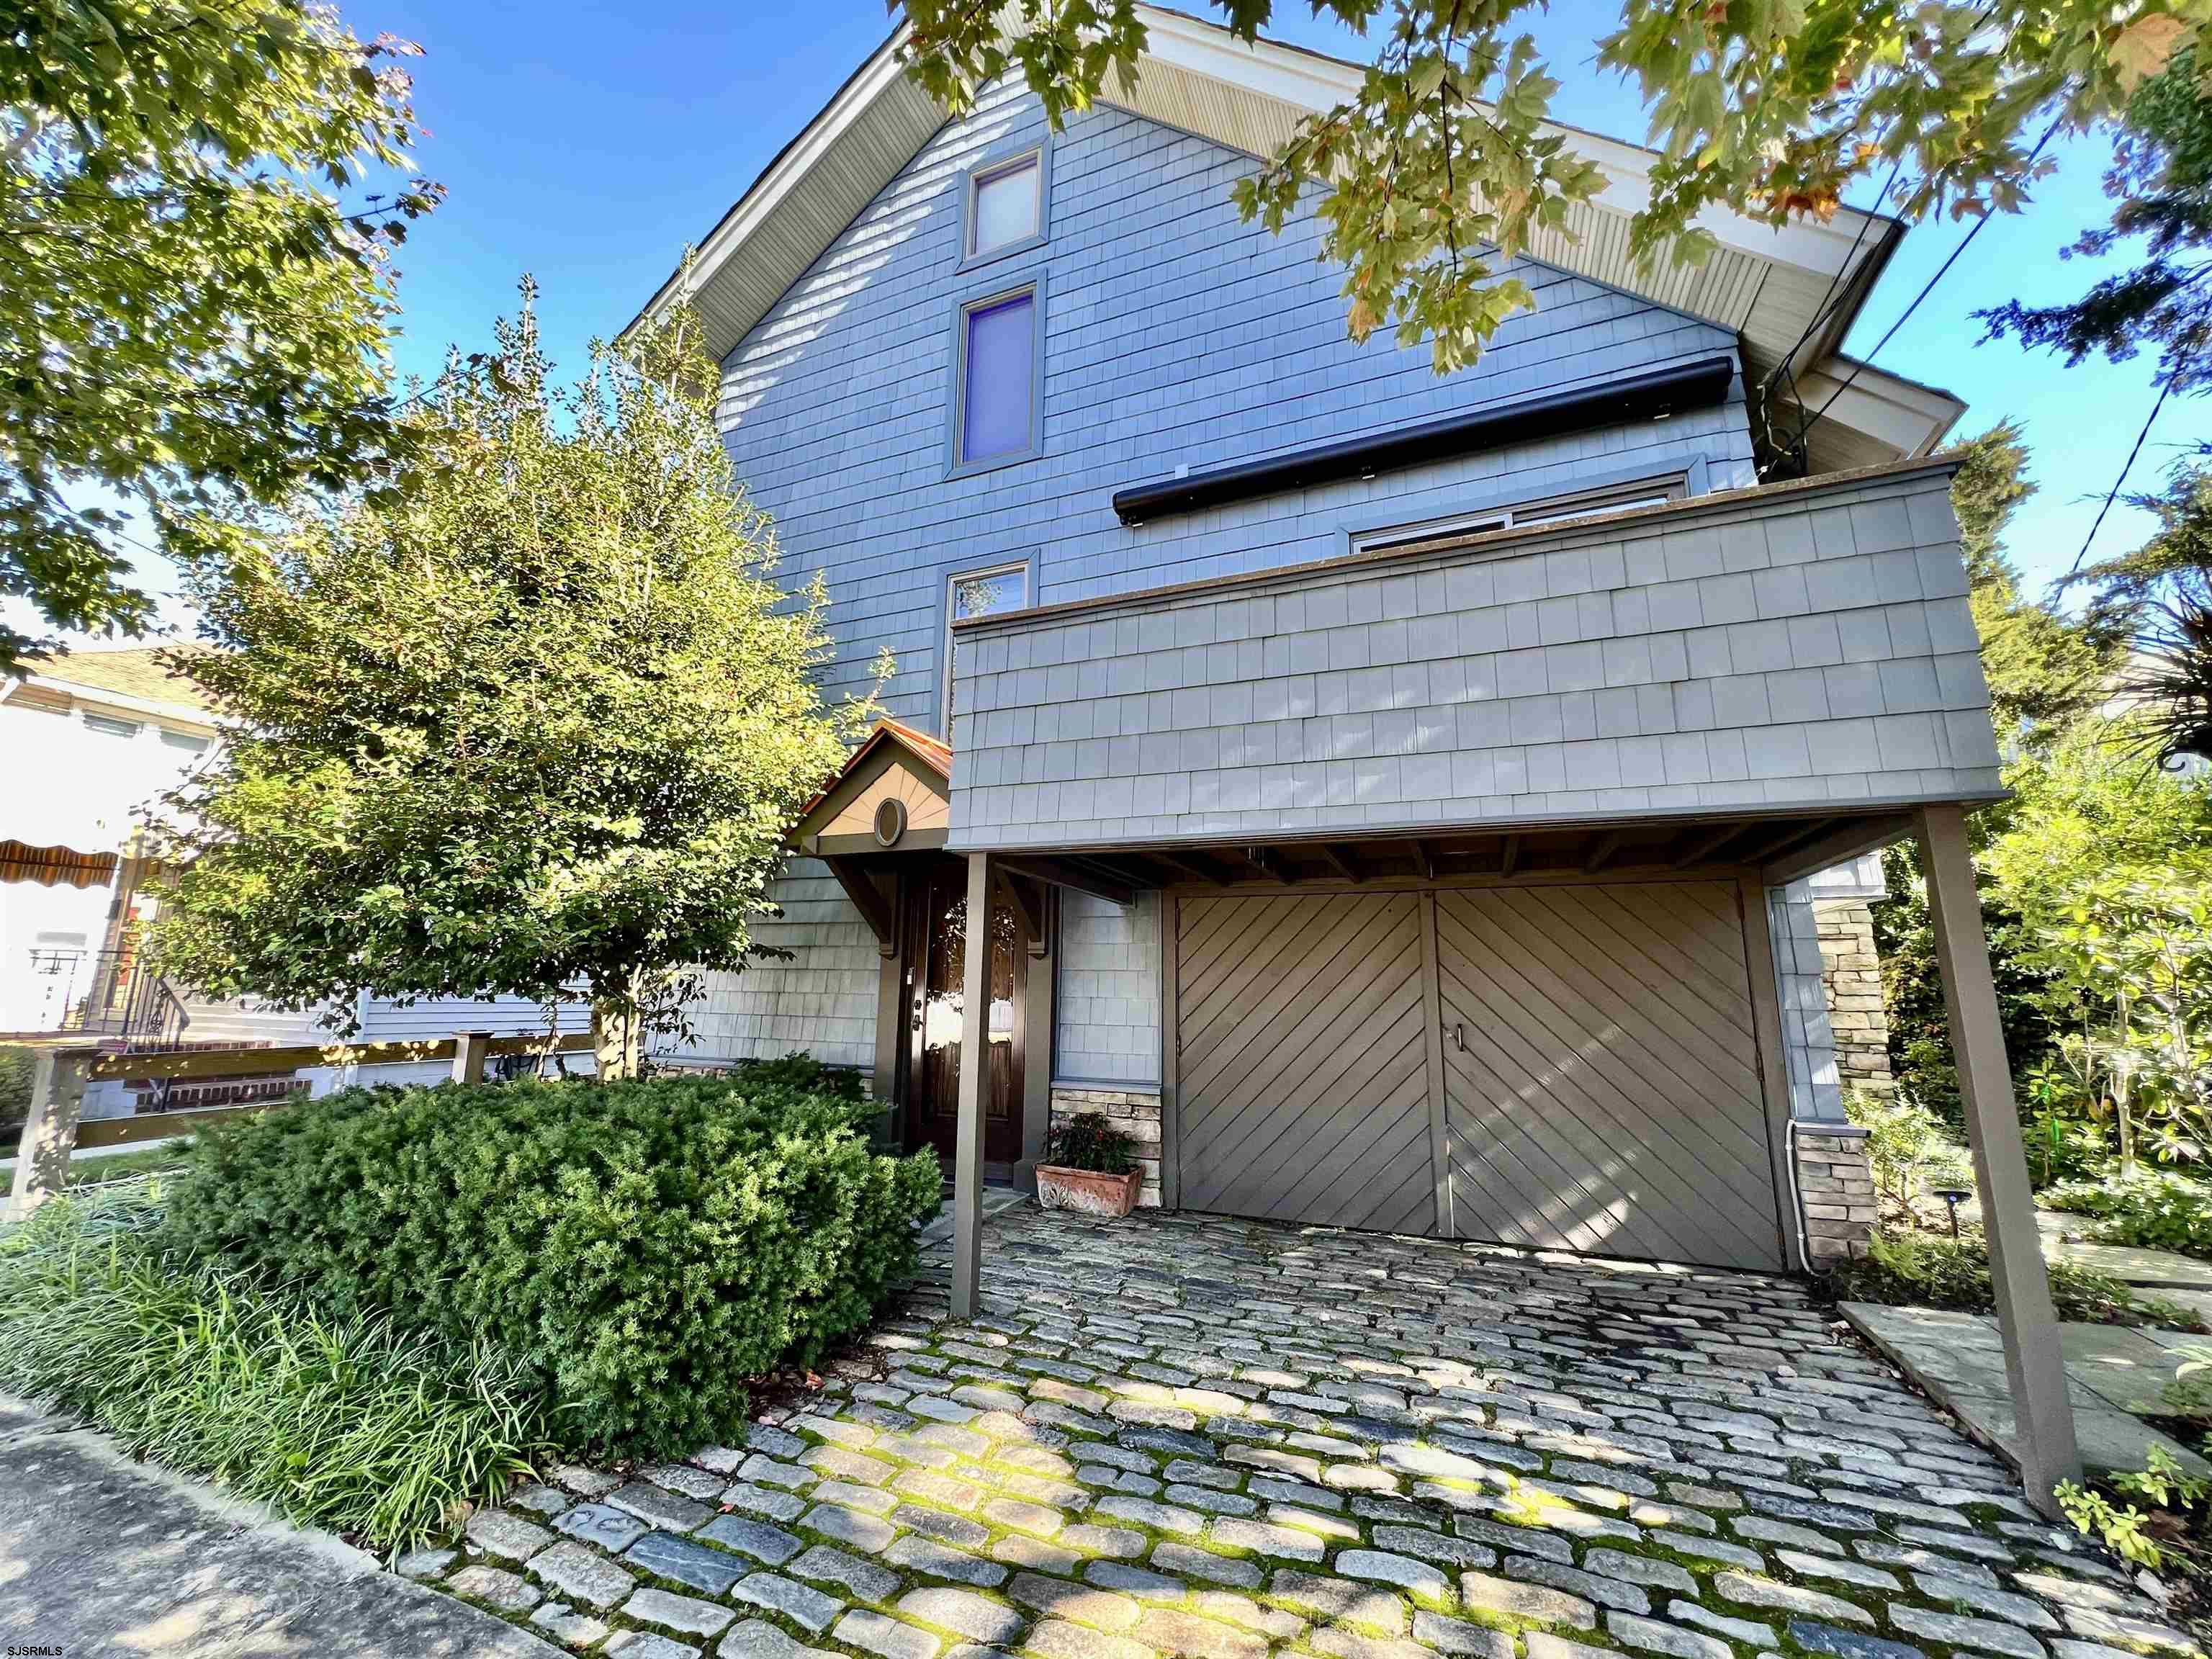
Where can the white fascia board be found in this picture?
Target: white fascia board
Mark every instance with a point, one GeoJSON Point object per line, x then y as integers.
{"type": "Point", "coordinates": [1906, 415]}
{"type": "Point", "coordinates": [1313, 82]}
{"type": "Point", "coordinates": [789, 171]}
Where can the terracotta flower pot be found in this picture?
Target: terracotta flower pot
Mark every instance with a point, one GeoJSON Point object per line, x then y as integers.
{"type": "Point", "coordinates": [1087, 1190]}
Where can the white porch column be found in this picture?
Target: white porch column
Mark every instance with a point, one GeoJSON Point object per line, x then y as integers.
{"type": "Point", "coordinates": [2043, 1415]}
{"type": "Point", "coordinates": [974, 1071]}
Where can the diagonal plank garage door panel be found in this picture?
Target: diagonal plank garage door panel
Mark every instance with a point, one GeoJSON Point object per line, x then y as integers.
{"type": "Point", "coordinates": [1303, 1063]}
{"type": "Point", "coordinates": [1302, 1046]}
{"type": "Point", "coordinates": [1633, 1055]}
{"type": "Point", "coordinates": [1608, 1097]}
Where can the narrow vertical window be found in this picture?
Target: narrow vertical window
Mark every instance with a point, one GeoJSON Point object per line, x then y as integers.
{"type": "Point", "coordinates": [1005, 207]}
{"type": "Point", "coordinates": [998, 392]}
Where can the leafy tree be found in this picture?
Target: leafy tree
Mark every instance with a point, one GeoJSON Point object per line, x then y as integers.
{"type": "Point", "coordinates": [2160, 181]}
{"type": "Point", "coordinates": [1444, 156]}
{"type": "Point", "coordinates": [536, 725]}
{"type": "Point", "coordinates": [189, 316]}
{"type": "Point", "coordinates": [2044, 669]}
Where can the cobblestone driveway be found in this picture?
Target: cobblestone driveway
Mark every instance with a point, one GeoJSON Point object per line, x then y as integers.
{"type": "Point", "coordinates": [1178, 1436]}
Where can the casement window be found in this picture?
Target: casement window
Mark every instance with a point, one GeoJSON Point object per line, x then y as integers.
{"type": "Point", "coordinates": [1446, 531]}
{"type": "Point", "coordinates": [113, 727]}
{"type": "Point", "coordinates": [977, 593]}
{"type": "Point", "coordinates": [1004, 208]}
{"type": "Point", "coordinates": [999, 378]}
{"type": "Point", "coordinates": [190, 744]}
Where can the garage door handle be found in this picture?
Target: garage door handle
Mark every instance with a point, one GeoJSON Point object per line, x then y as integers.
{"type": "Point", "coordinates": [1458, 1035]}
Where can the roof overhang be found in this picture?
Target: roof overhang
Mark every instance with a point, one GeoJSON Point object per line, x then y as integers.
{"type": "Point", "coordinates": [1790, 292]}
{"type": "Point", "coordinates": [1855, 415]}
{"type": "Point", "coordinates": [903, 774]}
{"type": "Point", "coordinates": [53, 691]}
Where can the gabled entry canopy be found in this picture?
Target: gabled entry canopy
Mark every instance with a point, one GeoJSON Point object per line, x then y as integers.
{"type": "Point", "coordinates": [894, 794]}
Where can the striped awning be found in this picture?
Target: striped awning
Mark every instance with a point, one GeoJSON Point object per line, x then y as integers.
{"type": "Point", "coordinates": [55, 867]}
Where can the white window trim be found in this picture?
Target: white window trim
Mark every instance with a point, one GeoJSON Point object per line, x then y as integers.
{"type": "Point", "coordinates": [1007, 568]}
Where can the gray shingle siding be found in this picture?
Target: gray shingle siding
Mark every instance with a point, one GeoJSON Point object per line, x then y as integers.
{"type": "Point", "coordinates": [1108, 1001]}
{"type": "Point", "coordinates": [1174, 335]}
{"type": "Point", "coordinates": [822, 1000]}
{"type": "Point", "coordinates": [1812, 647]}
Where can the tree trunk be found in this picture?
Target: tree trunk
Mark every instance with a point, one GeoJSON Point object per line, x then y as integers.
{"type": "Point", "coordinates": [617, 1036]}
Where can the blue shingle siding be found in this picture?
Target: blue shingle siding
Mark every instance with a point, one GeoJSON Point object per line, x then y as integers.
{"type": "Point", "coordinates": [1806, 648]}
{"type": "Point", "coordinates": [1107, 1005]}
{"type": "Point", "coordinates": [1174, 335]}
{"type": "Point", "coordinates": [822, 1000]}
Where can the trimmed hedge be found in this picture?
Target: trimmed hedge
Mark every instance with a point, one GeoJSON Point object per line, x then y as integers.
{"type": "Point", "coordinates": [646, 1247]}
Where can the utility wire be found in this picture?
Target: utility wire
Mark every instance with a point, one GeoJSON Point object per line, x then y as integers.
{"type": "Point", "coordinates": [2126, 467]}
{"type": "Point", "coordinates": [1929, 286]}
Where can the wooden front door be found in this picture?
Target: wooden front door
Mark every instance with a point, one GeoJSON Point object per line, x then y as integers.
{"type": "Point", "coordinates": [935, 932]}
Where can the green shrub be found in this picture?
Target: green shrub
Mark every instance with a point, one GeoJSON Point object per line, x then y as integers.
{"type": "Point", "coordinates": [17, 1066]}
{"type": "Point", "coordinates": [1904, 1141]}
{"type": "Point", "coordinates": [648, 1247]}
{"type": "Point", "coordinates": [1088, 1141]}
{"type": "Point", "coordinates": [800, 1073]}
{"type": "Point", "coordinates": [349, 1424]}
{"type": "Point", "coordinates": [1928, 1270]}
{"type": "Point", "coordinates": [2153, 1212]}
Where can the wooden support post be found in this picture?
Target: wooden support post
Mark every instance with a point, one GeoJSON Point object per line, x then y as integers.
{"type": "Point", "coordinates": [975, 1071]}
{"type": "Point", "coordinates": [470, 1050]}
{"type": "Point", "coordinates": [2043, 1417]}
{"type": "Point", "coordinates": [42, 1156]}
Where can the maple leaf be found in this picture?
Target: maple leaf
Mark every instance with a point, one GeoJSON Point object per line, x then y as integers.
{"type": "Point", "coordinates": [2144, 46]}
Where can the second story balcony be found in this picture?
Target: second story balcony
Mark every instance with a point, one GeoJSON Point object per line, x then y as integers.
{"type": "Point", "coordinates": [1801, 651]}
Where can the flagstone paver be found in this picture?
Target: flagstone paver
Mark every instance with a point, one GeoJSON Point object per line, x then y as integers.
{"type": "Point", "coordinates": [1186, 1437]}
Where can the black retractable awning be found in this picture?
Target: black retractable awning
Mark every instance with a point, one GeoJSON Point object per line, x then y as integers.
{"type": "Point", "coordinates": [1637, 397]}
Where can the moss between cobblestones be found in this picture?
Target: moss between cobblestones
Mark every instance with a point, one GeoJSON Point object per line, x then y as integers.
{"type": "Point", "coordinates": [1015, 1458]}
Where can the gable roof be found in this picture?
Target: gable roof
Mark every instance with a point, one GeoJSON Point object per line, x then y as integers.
{"type": "Point", "coordinates": [888, 744]}
{"type": "Point", "coordinates": [136, 673]}
{"type": "Point", "coordinates": [1789, 295]}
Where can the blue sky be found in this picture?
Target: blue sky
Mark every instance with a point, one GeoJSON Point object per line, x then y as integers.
{"type": "Point", "coordinates": [587, 143]}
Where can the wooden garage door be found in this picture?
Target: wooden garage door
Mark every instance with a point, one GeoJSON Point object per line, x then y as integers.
{"type": "Point", "coordinates": [1601, 1074]}
{"type": "Point", "coordinates": [1595, 1077]}
{"type": "Point", "coordinates": [1302, 1071]}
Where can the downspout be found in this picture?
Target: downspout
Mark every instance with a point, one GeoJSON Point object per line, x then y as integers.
{"type": "Point", "coordinates": [1796, 1198]}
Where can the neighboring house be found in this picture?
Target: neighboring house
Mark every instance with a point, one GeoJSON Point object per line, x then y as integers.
{"type": "Point", "coordinates": [96, 738]}
{"type": "Point", "coordinates": [1392, 786]}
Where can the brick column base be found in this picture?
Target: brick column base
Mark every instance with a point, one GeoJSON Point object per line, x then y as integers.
{"type": "Point", "coordinates": [1835, 1184]}
{"type": "Point", "coordinates": [1134, 1112]}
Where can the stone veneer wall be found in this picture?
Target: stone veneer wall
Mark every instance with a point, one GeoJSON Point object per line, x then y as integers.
{"type": "Point", "coordinates": [1850, 968]}
{"type": "Point", "coordinates": [1134, 1112]}
{"type": "Point", "coordinates": [1835, 1184]}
